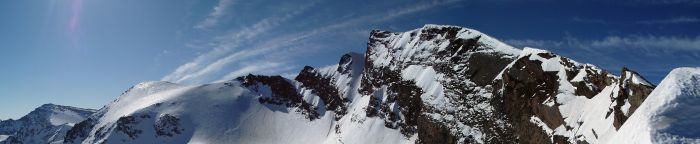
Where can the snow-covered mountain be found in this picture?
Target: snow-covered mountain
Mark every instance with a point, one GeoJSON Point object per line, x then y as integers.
{"type": "Point", "coordinates": [435, 84]}
{"type": "Point", "coordinates": [46, 124]}
{"type": "Point", "coordinates": [670, 114]}
{"type": "Point", "coordinates": [250, 109]}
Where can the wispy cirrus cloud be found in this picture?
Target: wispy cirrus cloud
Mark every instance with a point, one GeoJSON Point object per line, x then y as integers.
{"type": "Point", "coordinates": [628, 42]}
{"type": "Point", "coordinates": [653, 55]}
{"type": "Point", "coordinates": [675, 20]}
{"type": "Point", "coordinates": [221, 53]}
{"type": "Point", "coordinates": [413, 9]}
{"type": "Point", "coordinates": [265, 67]}
{"type": "Point", "coordinates": [648, 41]}
{"type": "Point", "coordinates": [534, 43]}
{"type": "Point", "coordinates": [387, 15]}
{"type": "Point", "coordinates": [227, 51]}
{"type": "Point", "coordinates": [217, 12]}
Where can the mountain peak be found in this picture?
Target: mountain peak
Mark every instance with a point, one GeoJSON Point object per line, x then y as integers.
{"type": "Point", "coordinates": [51, 106]}
{"type": "Point", "coordinates": [48, 106]}
{"type": "Point", "coordinates": [634, 77]}
{"type": "Point", "coordinates": [350, 62]}
{"type": "Point", "coordinates": [669, 115]}
{"type": "Point", "coordinates": [45, 124]}
{"type": "Point", "coordinates": [57, 114]}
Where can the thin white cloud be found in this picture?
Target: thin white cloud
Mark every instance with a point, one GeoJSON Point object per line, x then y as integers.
{"type": "Point", "coordinates": [414, 8]}
{"type": "Point", "coordinates": [212, 60]}
{"type": "Point", "coordinates": [631, 41]}
{"type": "Point", "coordinates": [215, 60]}
{"type": "Point", "coordinates": [196, 71]}
{"type": "Point", "coordinates": [652, 55]}
{"type": "Point", "coordinates": [390, 14]}
{"type": "Point", "coordinates": [676, 20]}
{"type": "Point", "coordinates": [660, 42]}
{"type": "Point", "coordinates": [216, 14]}
{"type": "Point", "coordinates": [534, 43]}
{"type": "Point", "coordinates": [217, 65]}
{"type": "Point", "coordinates": [257, 67]}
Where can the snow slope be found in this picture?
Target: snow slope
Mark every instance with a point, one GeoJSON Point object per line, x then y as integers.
{"type": "Point", "coordinates": [231, 112]}
{"type": "Point", "coordinates": [670, 113]}
{"type": "Point", "coordinates": [3, 137]}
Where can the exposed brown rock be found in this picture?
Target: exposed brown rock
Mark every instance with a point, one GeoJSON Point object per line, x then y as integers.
{"type": "Point", "coordinates": [431, 33]}
{"type": "Point", "coordinates": [407, 96]}
{"type": "Point", "coordinates": [80, 130]}
{"type": "Point", "coordinates": [469, 72]}
{"type": "Point", "coordinates": [167, 125]}
{"type": "Point", "coordinates": [431, 132]}
{"type": "Point", "coordinates": [344, 66]}
{"type": "Point", "coordinates": [635, 94]}
{"type": "Point", "coordinates": [483, 68]}
{"type": "Point", "coordinates": [127, 126]}
{"type": "Point", "coordinates": [404, 93]}
{"type": "Point", "coordinates": [283, 93]}
{"type": "Point", "coordinates": [546, 55]}
{"type": "Point", "coordinates": [526, 87]}
{"type": "Point", "coordinates": [593, 83]}
{"type": "Point", "coordinates": [325, 88]}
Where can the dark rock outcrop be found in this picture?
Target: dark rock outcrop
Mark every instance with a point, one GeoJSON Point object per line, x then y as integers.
{"type": "Point", "coordinates": [127, 125]}
{"type": "Point", "coordinates": [526, 87]}
{"type": "Point", "coordinates": [282, 92]}
{"type": "Point", "coordinates": [593, 82]}
{"type": "Point", "coordinates": [629, 92]}
{"type": "Point", "coordinates": [168, 125]}
{"type": "Point", "coordinates": [325, 88]}
{"type": "Point", "coordinates": [80, 131]}
{"type": "Point", "coordinates": [469, 66]}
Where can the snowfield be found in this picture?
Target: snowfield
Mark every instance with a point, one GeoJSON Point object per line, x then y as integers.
{"type": "Point", "coordinates": [228, 113]}
{"type": "Point", "coordinates": [671, 113]}
{"type": "Point", "coordinates": [3, 137]}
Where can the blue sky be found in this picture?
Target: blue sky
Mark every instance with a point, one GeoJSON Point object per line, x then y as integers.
{"type": "Point", "coordinates": [86, 52]}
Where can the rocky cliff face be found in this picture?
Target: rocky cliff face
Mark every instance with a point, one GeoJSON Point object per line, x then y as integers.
{"type": "Point", "coordinates": [634, 89]}
{"type": "Point", "coordinates": [436, 84]}
{"type": "Point", "coordinates": [552, 99]}
{"type": "Point", "coordinates": [442, 78]}
{"type": "Point", "coordinates": [485, 91]}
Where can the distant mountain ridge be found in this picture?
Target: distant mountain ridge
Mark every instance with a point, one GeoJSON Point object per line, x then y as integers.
{"type": "Point", "coordinates": [45, 124]}
{"type": "Point", "coordinates": [435, 84]}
